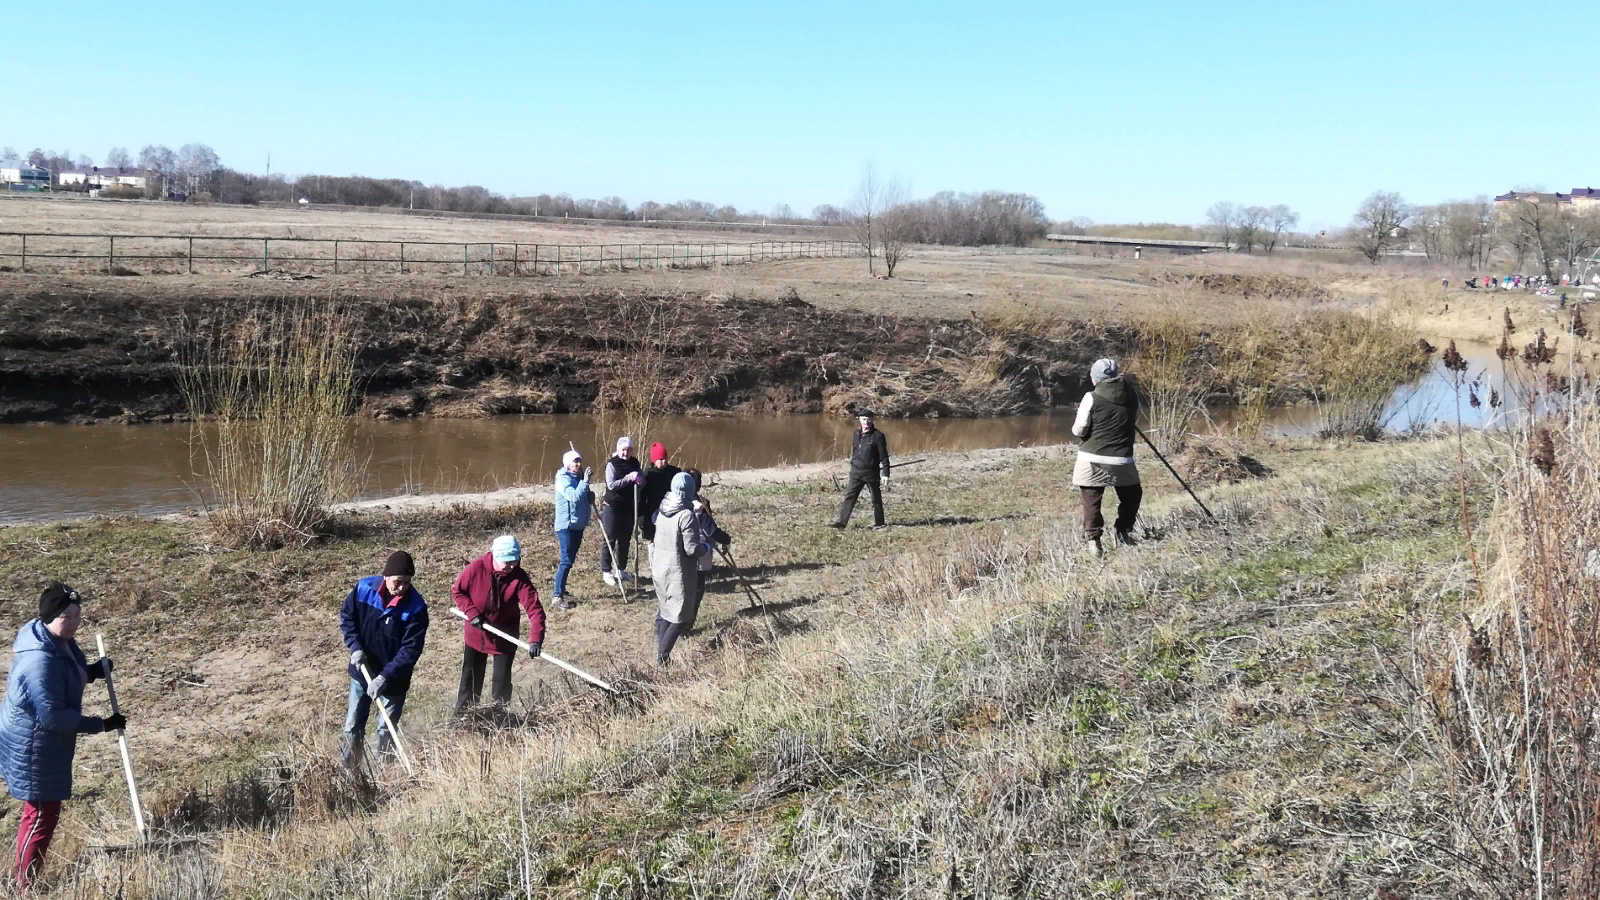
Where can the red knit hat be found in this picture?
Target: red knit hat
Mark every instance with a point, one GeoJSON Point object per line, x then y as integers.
{"type": "Point", "coordinates": [658, 452]}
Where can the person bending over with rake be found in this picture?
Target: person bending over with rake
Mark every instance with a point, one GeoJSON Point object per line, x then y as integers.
{"type": "Point", "coordinates": [385, 623]}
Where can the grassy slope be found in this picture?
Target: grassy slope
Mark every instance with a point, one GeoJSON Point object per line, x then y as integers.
{"type": "Point", "coordinates": [986, 712]}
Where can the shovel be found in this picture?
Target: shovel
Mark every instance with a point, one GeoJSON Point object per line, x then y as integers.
{"type": "Point", "coordinates": [388, 723]}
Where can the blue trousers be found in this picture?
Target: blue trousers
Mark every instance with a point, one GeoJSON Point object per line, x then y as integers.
{"type": "Point", "coordinates": [570, 540]}
{"type": "Point", "coordinates": [355, 719]}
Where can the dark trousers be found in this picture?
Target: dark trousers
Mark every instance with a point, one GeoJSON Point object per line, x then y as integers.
{"type": "Point", "coordinates": [618, 526]}
{"type": "Point", "coordinates": [1128, 497]}
{"type": "Point", "coordinates": [857, 482]}
{"type": "Point", "coordinates": [473, 664]}
{"type": "Point", "coordinates": [667, 634]}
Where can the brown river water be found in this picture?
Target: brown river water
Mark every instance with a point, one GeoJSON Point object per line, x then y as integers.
{"type": "Point", "coordinates": [53, 472]}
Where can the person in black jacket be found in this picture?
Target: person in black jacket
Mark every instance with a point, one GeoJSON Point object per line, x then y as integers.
{"type": "Point", "coordinates": [624, 479]}
{"type": "Point", "coordinates": [657, 482]}
{"type": "Point", "coordinates": [385, 622]}
{"type": "Point", "coordinates": [869, 455]}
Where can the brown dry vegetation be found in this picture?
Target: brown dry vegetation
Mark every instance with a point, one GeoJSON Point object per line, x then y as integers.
{"type": "Point", "coordinates": [963, 700]}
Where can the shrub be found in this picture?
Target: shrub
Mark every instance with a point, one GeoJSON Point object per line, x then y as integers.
{"type": "Point", "coordinates": [273, 389]}
{"type": "Point", "coordinates": [1354, 363]}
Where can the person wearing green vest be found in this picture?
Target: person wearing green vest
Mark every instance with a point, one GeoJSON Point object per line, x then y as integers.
{"type": "Point", "coordinates": [1106, 423]}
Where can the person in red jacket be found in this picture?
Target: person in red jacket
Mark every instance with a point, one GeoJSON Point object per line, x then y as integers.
{"type": "Point", "coordinates": [489, 590]}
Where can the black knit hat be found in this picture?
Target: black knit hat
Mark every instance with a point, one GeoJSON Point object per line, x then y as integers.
{"type": "Point", "coordinates": [55, 600]}
{"type": "Point", "coordinates": [400, 564]}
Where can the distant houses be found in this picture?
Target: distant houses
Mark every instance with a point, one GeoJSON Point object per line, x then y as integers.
{"type": "Point", "coordinates": [1580, 199]}
{"type": "Point", "coordinates": [105, 176]}
{"type": "Point", "coordinates": [21, 176]}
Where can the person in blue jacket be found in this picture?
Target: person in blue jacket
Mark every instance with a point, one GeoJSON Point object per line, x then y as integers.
{"type": "Point", "coordinates": [574, 504]}
{"type": "Point", "coordinates": [384, 621]}
{"type": "Point", "coordinates": [41, 719]}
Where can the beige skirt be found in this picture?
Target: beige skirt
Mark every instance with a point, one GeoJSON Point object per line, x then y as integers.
{"type": "Point", "coordinates": [1102, 475]}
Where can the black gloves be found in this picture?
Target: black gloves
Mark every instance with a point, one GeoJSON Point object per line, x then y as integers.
{"type": "Point", "coordinates": [100, 668]}
{"type": "Point", "coordinates": [476, 621]}
{"type": "Point", "coordinates": [115, 722]}
{"type": "Point", "coordinates": [534, 650]}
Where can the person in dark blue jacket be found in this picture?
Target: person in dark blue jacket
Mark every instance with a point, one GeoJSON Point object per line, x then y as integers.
{"type": "Point", "coordinates": [385, 622]}
{"type": "Point", "coordinates": [41, 719]}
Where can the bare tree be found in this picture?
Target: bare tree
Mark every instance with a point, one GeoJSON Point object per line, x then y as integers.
{"type": "Point", "coordinates": [158, 159]}
{"type": "Point", "coordinates": [828, 214]}
{"type": "Point", "coordinates": [198, 163]}
{"type": "Point", "coordinates": [118, 158]}
{"type": "Point", "coordinates": [1280, 219]}
{"type": "Point", "coordinates": [897, 223]}
{"type": "Point", "coordinates": [85, 161]}
{"type": "Point", "coordinates": [36, 157]}
{"type": "Point", "coordinates": [1250, 226]}
{"type": "Point", "coordinates": [8, 154]}
{"type": "Point", "coordinates": [1223, 216]}
{"type": "Point", "coordinates": [782, 212]}
{"type": "Point", "coordinates": [864, 209]}
{"type": "Point", "coordinates": [1537, 227]}
{"type": "Point", "coordinates": [1376, 222]}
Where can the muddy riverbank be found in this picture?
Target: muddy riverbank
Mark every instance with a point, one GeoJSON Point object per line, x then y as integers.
{"type": "Point", "coordinates": [104, 355]}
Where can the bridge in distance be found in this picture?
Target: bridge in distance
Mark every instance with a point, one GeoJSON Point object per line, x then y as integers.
{"type": "Point", "coordinates": [1138, 245]}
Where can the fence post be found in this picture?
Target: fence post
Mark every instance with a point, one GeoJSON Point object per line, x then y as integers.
{"type": "Point", "coordinates": [402, 257]}
{"type": "Point", "coordinates": [111, 254]}
{"type": "Point", "coordinates": [491, 260]}
{"type": "Point", "coordinates": [24, 253]}
{"type": "Point", "coordinates": [516, 260]}
{"type": "Point", "coordinates": [266, 257]}
{"type": "Point", "coordinates": [191, 256]}
{"type": "Point", "coordinates": [335, 257]}
{"type": "Point", "coordinates": [463, 259]}
{"type": "Point", "coordinates": [536, 260]}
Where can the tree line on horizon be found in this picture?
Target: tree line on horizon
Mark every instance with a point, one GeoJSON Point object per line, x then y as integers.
{"type": "Point", "coordinates": [195, 170]}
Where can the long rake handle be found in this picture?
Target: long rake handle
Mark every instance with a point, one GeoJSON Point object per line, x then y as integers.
{"type": "Point", "coordinates": [542, 655]}
{"type": "Point", "coordinates": [754, 594]}
{"type": "Point", "coordinates": [1174, 473]}
{"type": "Point", "coordinates": [122, 744]}
{"type": "Point", "coordinates": [388, 723]}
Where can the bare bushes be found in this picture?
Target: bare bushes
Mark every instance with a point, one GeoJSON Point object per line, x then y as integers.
{"type": "Point", "coordinates": [1172, 374]}
{"type": "Point", "coordinates": [1353, 365]}
{"type": "Point", "coordinates": [270, 391]}
{"type": "Point", "coordinates": [1515, 694]}
{"type": "Point", "coordinates": [646, 334]}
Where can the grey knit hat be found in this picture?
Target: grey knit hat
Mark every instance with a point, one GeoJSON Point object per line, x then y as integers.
{"type": "Point", "coordinates": [1103, 369]}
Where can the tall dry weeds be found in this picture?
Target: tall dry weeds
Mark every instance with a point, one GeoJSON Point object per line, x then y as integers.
{"type": "Point", "coordinates": [1256, 362]}
{"type": "Point", "coordinates": [1514, 694]}
{"type": "Point", "coordinates": [642, 379]}
{"type": "Point", "coordinates": [1353, 364]}
{"type": "Point", "coordinates": [1172, 374]}
{"type": "Point", "coordinates": [270, 392]}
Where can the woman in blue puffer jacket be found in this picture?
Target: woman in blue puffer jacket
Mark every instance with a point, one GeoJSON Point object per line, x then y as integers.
{"type": "Point", "coordinates": [41, 719]}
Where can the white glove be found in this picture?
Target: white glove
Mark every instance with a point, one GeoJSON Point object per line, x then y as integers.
{"type": "Point", "coordinates": [375, 687]}
{"type": "Point", "coordinates": [588, 473]}
{"type": "Point", "coordinates": [357, 657]}
{"type": "Point", "coordinates": [886, 484]}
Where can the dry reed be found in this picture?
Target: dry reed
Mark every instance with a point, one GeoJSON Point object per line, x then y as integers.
{"type": "Point", "coordinates": [270, 392]}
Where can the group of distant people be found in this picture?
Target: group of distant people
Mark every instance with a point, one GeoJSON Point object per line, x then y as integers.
{"type": "Point", "coordinates": [1530, 282]}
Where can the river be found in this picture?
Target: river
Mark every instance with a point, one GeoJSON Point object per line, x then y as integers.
{"type": "Point", "coordinates": [53, 472]}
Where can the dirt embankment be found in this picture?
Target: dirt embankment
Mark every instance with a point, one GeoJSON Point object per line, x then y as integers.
{"type": "Point", "coordinates": [80, 355]}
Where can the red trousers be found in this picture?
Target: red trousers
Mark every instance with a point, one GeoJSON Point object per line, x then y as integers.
{"type": "Point", "coordinates": [33, 839]}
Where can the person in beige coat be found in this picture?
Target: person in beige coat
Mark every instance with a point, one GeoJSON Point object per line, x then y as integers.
{"type": "Point", "coordinates": [674, 562]}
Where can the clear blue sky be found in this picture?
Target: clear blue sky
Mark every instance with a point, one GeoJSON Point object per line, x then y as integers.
{"type": "Point", "coordinates": [1120, 112]}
